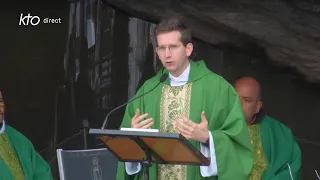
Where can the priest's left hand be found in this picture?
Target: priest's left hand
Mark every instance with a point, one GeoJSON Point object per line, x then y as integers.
{"type": "Point", "coordinates": [191, 130]}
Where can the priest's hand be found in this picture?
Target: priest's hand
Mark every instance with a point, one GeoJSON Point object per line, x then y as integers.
{"type": "Point", "coordinates": [191, 130]}
{"type": "Point", "coordinates": [138, 121]}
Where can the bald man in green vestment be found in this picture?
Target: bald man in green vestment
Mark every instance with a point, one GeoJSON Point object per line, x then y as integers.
{"type": "Point", "coordinates": [277, 154]}
{"type": "Point", "coordinates": [195, 102]}
{"type": "Point", "coordinates": [18, 159]}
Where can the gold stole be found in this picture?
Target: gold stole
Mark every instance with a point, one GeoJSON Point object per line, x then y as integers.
{"type": "Point", "coordinates": [260, 161]}
{"type": "Point", "coordinates": [175, 101]}
{"type": "Point", "coordinates": [9, 156]}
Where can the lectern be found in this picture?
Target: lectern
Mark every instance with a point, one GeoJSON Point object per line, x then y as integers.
{"type": "Point", "coordinates": [150, 147]}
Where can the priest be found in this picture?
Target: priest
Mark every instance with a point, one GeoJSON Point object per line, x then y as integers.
{"type": "Point", "coordinates": [18, 158]}
{"type": "Point", "coordinates": [196, 103]}
{"type": "Point", "coordinates": [277, 155]}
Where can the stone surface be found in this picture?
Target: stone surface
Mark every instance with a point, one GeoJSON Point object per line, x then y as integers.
{"type": "Point", "coordinates": [287, 32]}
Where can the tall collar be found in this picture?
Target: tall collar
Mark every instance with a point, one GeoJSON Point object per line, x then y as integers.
{"type": "Point", "coordinates": [2, 126]}
{"type": "Point", "coordinates": [182, 79]}
{"type": "Point", "coordinates": [259, 116]}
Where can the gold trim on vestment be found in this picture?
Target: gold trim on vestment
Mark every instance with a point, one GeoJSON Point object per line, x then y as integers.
{"type": "Point", "coordinates": [9, 156]}
{"type": "Point", "coordinates": [175, 101]}
{"type": "Point", "coordinates": [260, 161]}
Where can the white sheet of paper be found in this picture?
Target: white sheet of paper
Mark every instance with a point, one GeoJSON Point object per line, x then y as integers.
{"type": "Point", "coordinates": [138, 129]}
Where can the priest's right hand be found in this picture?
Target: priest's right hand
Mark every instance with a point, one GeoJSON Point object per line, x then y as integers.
{"type": "Point", "coordinates": [138, 121]}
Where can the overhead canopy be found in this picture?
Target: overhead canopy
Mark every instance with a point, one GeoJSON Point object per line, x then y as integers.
{"type": "Point", "coordinates": [288, 32]}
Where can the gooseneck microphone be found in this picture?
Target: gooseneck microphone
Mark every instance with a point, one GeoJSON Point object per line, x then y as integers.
{"type": "Point", "coordinates": [162, 79]}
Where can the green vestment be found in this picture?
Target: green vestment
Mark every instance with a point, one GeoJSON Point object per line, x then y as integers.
{"type": "Point", "coordinates": [278, 152]}
{"type": "Point", "coordinates": [210, 93]}
{"type": "Point", "coordinates": [33, 165]}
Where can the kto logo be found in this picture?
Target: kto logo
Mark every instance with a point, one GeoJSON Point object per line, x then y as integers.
{"type": "Point", "coordinates": [26, 20]}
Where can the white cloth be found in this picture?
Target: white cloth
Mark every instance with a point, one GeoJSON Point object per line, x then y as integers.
{"type": "Point", "coordinates": [2, 128]}
{"type": "Point", "coordinates": [206, 171]}
{"type": "Point", "coordinates": [212, 169]}
{"type": "Point", "coordinates": [182, 79]}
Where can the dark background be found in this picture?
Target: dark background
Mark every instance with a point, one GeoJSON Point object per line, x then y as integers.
{"type": "Point", "coordinates": [32, 68]}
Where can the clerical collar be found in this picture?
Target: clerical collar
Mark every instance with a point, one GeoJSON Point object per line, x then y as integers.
{"type": "Point", "coordinates": [2, 126]}
{"type": "Point", "coordinates": [259, 116]}
{"type": "Point", "coordinates": [182, 79]}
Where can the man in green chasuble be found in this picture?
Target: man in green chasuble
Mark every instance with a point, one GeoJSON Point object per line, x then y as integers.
{"type": "Point", "coordinates": [277, 155]}
{"type": "Point", "coordinates": [18, 159]}
{"type": "Point", "coordinates": [195, 102]}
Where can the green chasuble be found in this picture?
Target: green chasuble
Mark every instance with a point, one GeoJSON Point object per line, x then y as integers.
{"type": "Point", "coordinates": [205, 91]}
{"type": "Point", "coordinates": [275, 150]}
{"type": "Point", "coordinates": [21, 157]}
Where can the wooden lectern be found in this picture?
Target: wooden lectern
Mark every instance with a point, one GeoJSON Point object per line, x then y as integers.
{"type": "Point", "coordinates": [151, 147]}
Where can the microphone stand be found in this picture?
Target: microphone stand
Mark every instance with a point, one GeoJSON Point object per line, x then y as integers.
{"type": "Point", "coordinates": [56, 114]}
{"type": "Point", "coordinates": [85, 124]}
{"type": "Point", "coordinates": [162, 79]}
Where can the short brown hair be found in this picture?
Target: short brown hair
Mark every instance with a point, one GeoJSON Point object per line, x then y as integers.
{"type": "Point", "coordinates": [174, 24]}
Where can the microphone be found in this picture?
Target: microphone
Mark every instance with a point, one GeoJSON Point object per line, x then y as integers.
{"type": "Point", "coordinates": [162, 79]}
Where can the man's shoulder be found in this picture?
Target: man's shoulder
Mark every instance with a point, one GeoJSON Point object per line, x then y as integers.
{"type": "Point", "coordinates": [14, 133]}
{"type": "Point", "coordinates": [151, 81]}
{"type": "Point", "coordinates": [276, 124]}
{"type": "Point", "coordinates": [213, 76]}
{"type": "Point", "coordinates": [12, 130]}
{"type": "Point", "coordinates": [217, 82]}
{"type": "Point", "coordinates": [209, 74]}
{"type": "Point", "coordinates": [274, 121]}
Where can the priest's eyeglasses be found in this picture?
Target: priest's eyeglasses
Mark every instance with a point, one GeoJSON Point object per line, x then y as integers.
{"type": "Point", "coordinates": [162, 49]}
